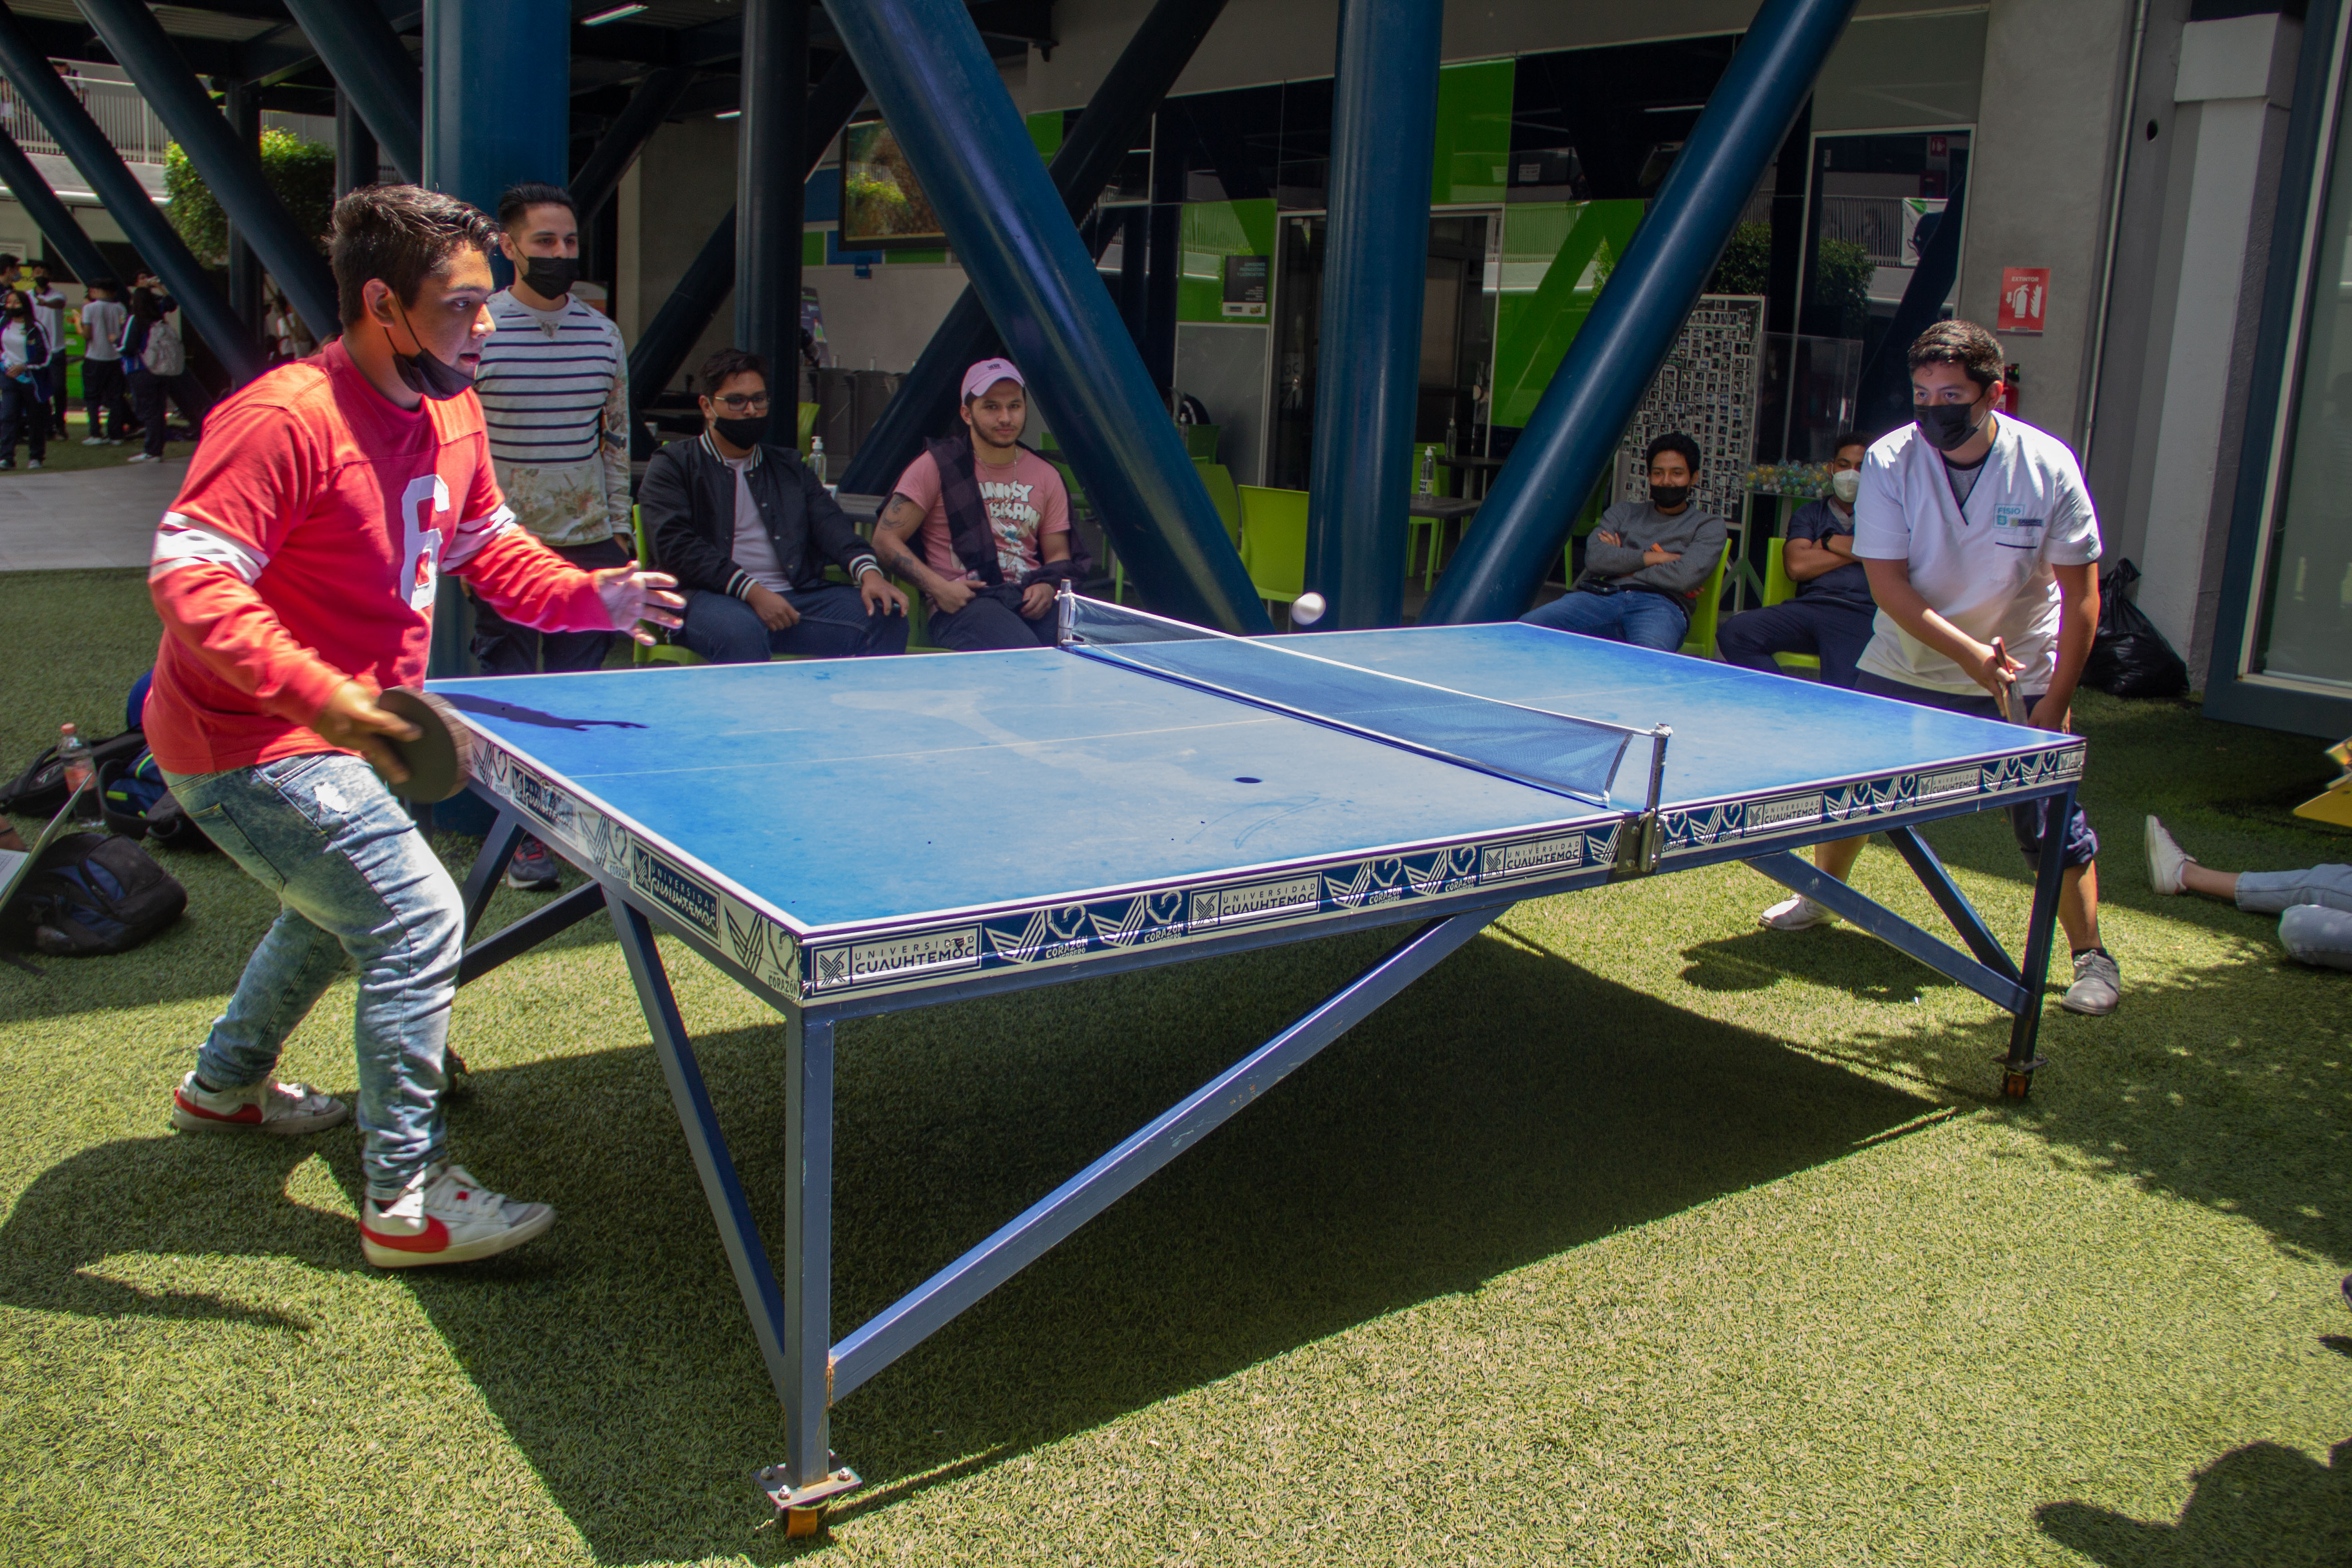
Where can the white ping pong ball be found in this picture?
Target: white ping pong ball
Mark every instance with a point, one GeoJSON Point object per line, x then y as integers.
{"type": "Point", "coordinates": [1306, 610]}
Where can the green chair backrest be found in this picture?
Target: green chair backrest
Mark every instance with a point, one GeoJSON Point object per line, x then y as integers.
{"type": "Point", "coordinates": [1201, 441]}
{"type": "Point", "coordinates": [1779, 586]}
{"type": "Point", "coordinates": [1220, 481]}
{"type": "Point", "coordinates": [808, 427]}
{"type": "Point", "coordinates": [1698, 639]}
{"type": "Point", "coordinates": [1274, 540]}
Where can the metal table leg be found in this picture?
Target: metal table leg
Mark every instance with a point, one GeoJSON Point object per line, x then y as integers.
{"type": "Point", "coordinates": [2049, 882]}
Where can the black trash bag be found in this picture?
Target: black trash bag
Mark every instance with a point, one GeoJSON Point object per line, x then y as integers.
{"type": "Point", "coordinates": [2129, 657]}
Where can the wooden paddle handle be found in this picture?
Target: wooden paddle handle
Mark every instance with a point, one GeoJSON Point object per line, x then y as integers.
{"type": "Point", "coordinates": [2004, 694]}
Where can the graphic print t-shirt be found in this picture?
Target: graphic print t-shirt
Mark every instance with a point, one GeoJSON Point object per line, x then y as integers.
{"type": "Point", "coordinates": [1025, 501]}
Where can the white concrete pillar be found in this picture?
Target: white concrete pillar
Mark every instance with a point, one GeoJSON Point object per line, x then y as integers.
{"type": "Point", "coordinates": [2237, 72]}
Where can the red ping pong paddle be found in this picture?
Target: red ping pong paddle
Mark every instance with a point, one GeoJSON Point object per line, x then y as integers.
{"type": "Point", "coordinates": [439, 759]}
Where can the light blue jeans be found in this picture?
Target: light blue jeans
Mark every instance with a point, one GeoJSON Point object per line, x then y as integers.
{"type": "Point", "coordinates": [353, 877]}
{"type": "Point", "coordinates": [2315, 910]}
{"type": "Point", "coordinates": [1645, 620]}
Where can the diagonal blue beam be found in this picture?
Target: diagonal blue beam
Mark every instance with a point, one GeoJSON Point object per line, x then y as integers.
{"type": "Point", "coordinates": [1568, 442]}
{"type": "Point", "coordinates": [126, 200]}
{"type": "Point", "coordinates": [230, 166]}
{"type": "Point", "coordinates": [1384, 133]}
{"type": "Point", "coordinates": [372, 68]}
{"type": "Point", "coordinates": [53, 218]}
{"type": "Point", "coordinates": [947, 106]}
{"type": "Point", "coordinates": [1117, 115]}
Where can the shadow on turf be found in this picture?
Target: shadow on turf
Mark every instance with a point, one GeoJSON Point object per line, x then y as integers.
{"type": "Point", "coordinates": [1506, 1109]}
{"type": "Point", "coordinates": [2261, 1505]}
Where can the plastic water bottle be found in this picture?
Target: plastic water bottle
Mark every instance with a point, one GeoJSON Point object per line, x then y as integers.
{"type": "Point", "coordinates": [1428, 471]}
{"type": "Point", "coordinates": [74, 758]}
{"type": "Point", "coordinates": [817, 456]}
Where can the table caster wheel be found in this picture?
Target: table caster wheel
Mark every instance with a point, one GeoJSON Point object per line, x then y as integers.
{"type": "Point", "coordinates": [2016, 1085]}
{"type": "Point", "coordinates": [803, 1520]}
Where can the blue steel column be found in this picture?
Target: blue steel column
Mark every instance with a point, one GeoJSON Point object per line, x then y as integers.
{"type": "Point", "coordinates": [1012, 230]}
{"type": "Point", "coordinates": [357, 160]}
{"type": "Point", "coordinates": [1569, 443]}
{"type": "Point", "coordinates": [373, 71]}
{"type": "Point", "coordinates": [770, 162]}
{"type": "Point", "coordinates": [232, 169]}
{"type": "Point", "coordinates": [1383, 130]}
{"type": "Point", "coordinates": [1119, 113]}
{"type": "Point", "coordinates": [244, 268]}
{"type": "Point", "coordinates": [126, 200]}
{"type": "Point", "coordinates": [52, 216]}
{"type": "Point", "coordinates": [498, 100]}
{"type": "Point", "coordinates": [600, 172]}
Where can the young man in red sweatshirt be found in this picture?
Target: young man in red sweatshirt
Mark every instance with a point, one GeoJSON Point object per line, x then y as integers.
{"type": "Point", "coordinates": [295, 577]}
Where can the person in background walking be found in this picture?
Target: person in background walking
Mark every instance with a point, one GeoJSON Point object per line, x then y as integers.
{"type": "Point", "coordinates": [102, 318]}
{"type": "Point", "coordinates": [23, 380]}
{"type": "Point", "coordinates": [49, 311]}
{"type": "Point", "coordinates": [147, 387]}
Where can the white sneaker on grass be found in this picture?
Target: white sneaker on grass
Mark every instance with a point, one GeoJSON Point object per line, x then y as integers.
{"type": "Point", "coordinates": [2167, 860]}
{"type": "Point", "coordinates": [141, 458]}
{"type": "Point", "coordinates": [1796, 912]}
{"type": "Point", "coordinates": [446, 1217]}
{"type": "Point", "coordinates": [286, 1110]}
{"type": "Point", "coordinates": [93, 440]}
{"type": "Point", "coordinates": [2098, 985]}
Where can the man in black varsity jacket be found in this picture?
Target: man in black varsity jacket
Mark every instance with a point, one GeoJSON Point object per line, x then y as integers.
{"type": "Point", "coordinates": [747, 531]}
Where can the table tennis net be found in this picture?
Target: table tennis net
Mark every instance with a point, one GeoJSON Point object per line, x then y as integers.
{"type": "Point", "coordinates": [1554, 751]}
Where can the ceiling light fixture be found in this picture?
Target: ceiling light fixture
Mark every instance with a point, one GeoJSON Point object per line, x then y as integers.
{"type": "Point", "coordinates": [730, 114]}
{"type": "Point", "coordinates": [614, 15]}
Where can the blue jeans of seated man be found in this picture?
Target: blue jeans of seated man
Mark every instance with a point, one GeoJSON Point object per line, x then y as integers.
{"type": "Point", "coordinates": [356, 880]}
{"type": "Point", "coordinates": [1645, 620]}
{"type": "Point", "coordinates": [833, 624]}
{"type": "Point", "coordinates": [2315, 910]}
{"type": "Point", "coordinates": [1834, 630]}
{"type": "Point", "coordinates": [992, 620]}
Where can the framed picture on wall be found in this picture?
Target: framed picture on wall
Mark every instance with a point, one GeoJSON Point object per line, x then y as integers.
{"type": "Point", "coordinates": [882, 204]}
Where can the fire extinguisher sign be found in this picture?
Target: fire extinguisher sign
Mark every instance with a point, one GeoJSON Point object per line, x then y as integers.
{"type": "Point", "coordinates": [2022, 291]}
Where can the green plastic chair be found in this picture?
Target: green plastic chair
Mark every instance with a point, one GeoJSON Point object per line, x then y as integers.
{"type": "Point", "coordinates": [1779, 589]}
{"type": "Point", "coordinates": [1201, 441]}
{"type": "Point", "coordinates": [807, 427]}
{"type": "Point", "coordinates": [1220, 481]}
{"type": "Point", "coordinates": [665, 651]}
{"type": "Point", "coordinates": [1698, 638]}
{"type": "Point", "coordinates": [1274, 542]}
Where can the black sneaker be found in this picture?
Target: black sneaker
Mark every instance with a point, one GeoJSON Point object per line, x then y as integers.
{"type": "Point", "coordinates": [533, 869]}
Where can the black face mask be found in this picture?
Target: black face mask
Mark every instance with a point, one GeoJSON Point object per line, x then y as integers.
{"type": "Point", "coordinates": [1948, 426]}
{"type": "Point", "coordinates": [748, 431]}
{"type": "Point", "coordinates": [550, 277]}
{"type": "Point", "coordinates": [427, 374]}
{"type": "Point", "coordinates": [1669, 496]}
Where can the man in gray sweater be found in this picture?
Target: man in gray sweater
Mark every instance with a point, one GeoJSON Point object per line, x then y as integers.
{"type": "Point", "coordinates": [1644, 565]}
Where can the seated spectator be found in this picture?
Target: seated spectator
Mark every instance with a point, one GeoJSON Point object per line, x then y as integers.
{"type": "Point", "coordinates": [1832, 615]}
{"type": "Point", "coordinates": [746, 530]}
{"type": "Point", "coordinates": [995, 522]}
{"type": "Point", "coordinates": [1644, 565]}
{"type": "Point", "coordinates": [2314, 905]}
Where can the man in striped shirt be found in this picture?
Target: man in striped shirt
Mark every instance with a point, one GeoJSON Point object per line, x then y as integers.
{"type": "Point", "coordinates": [555, 384]}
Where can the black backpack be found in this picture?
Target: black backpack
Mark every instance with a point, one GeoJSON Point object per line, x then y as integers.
{"type": "Point", "coordinates": [92, 894]}
{"type": "Point", "coordinates": [40, 789]}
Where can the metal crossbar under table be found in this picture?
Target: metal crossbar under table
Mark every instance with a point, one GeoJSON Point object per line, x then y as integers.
{"type": "Point", "coordinates": [791, 1309]}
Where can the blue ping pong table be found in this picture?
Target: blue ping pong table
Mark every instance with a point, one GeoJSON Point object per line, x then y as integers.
{"type": "Point", "coordinates": [1145, 793]}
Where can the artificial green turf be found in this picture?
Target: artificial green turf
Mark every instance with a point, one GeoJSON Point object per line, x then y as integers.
{"type": "Point", "coordinates": [1630, 1235]}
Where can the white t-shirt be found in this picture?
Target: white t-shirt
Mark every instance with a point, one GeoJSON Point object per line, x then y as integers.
{"type": "Point", "coordinates": [1985, 568]}
{"type": "Point", "coordinates": [101, 329]}
{"type": "Point", "coordinates": [754, 551]}
{"type": "Point", "coordinates": [49, 311]}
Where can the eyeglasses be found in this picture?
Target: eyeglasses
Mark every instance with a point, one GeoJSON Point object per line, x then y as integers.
{"type": "Point", "coordinates": [743, 401]}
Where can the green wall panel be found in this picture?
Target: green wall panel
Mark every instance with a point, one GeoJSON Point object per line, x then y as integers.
{"type": "Point", "coordinates": [1473, 133]}
{"type": "Point", "coordinates": [1556, 256]}
{"type": "Point", "coordinates": [1213, 231]}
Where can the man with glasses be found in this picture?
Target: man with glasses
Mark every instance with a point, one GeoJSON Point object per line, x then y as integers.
{"type": "Point", "coordinates": [748, 530]}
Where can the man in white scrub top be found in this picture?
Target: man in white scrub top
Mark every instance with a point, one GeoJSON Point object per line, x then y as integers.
{"type": "Point", "coordinates": [1975, 527]}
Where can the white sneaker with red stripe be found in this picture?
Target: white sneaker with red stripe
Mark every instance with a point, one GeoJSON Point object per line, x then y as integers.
{"type": "Point", "coordinates": [269, 1106]}
{"type": "Point", "coordinates": [447, 1218]}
